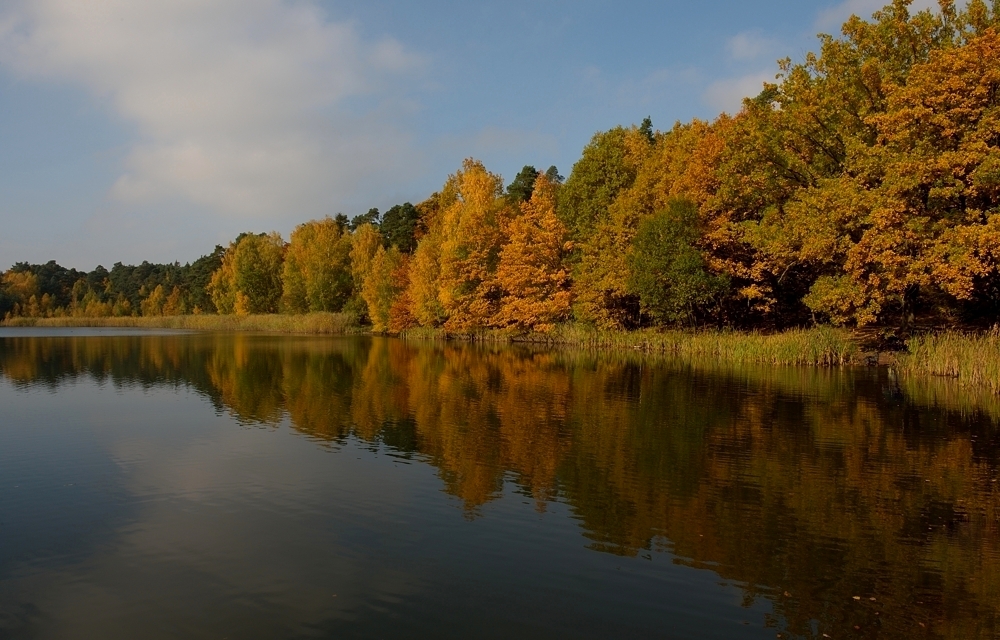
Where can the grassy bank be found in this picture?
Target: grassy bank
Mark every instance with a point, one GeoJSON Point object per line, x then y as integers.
{"type": "Point", "coordinates": [312, 323]}
{"type": "Point", "coordinates": [822, 346]}
{"type": "Point", "coordinates": [973, 359]}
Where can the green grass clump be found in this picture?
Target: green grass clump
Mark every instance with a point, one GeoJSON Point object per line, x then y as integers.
{"type": "Point", "coordinates": [310, 323]}
{"type": "Point", "coordinates": [974, 359]}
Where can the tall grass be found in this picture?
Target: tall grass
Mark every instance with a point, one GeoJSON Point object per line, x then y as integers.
{"type": "Point", "coordinates": [310, 323]}
{"type": "Point", "coordinates": [822, 346]}
{"type": "Point", "coordinates": [974, 359]}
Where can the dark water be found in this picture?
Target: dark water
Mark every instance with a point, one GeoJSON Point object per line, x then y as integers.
{"type": "Point", "coordinates": [201, 486]}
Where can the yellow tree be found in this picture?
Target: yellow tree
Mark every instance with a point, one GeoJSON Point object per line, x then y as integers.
{"type": "Point", "coordinates": [531, 273]}
{"type": "Point", "coordinates": [317, 274]}
{"type": "Point", "coordinates": [400, 314]}
{"type": "Point", "coordinates": [249, 280]}
{"type": "Point", "coordinates": [470, 248]}
{"type": "Point", "coordinates": [221, 287]}
{"type": "Point", "coordinates": [152, 305]}
{"type": "Point", "coordinates": [175, 304]}
{"type": "Point", "coordinates": [22, 288]}
{"type": "Point", "coordinates": [381, 288]}
{"type": "Point", "coordinates": [422, 286]}
{"type": "Point", "coordinates": [420, 302]}
{"type": "Point", "coordinates": [365, 244]}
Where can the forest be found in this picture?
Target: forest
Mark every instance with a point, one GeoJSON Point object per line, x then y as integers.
{"type": "Point", "coordinates": [860, 188]}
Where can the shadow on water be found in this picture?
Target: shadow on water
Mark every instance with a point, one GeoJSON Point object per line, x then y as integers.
{"type": "Point", "coordinates": [850, 500]}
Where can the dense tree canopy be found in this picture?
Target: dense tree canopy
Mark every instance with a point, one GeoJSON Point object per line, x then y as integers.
{"type": "Point", "coordinates": [861, 187]}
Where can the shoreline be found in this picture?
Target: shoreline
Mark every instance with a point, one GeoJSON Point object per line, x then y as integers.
{"type": "Point", "coordinates": [972, 359]}
{"type": "Point", "coordinates": [309, 324]}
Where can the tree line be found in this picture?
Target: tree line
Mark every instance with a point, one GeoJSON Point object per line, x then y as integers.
{"type": "Point", "coordinates": [861, 187]}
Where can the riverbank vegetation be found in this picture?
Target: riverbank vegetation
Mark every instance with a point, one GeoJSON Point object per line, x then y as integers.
{"type": "Point", "coordinates": [974, 360]}
{"type": "Point", "coordinates": [860, 189]}
{"type": "Point", "coordinates": [824, 346]}
{"type": "Point", "coordinates": [311, 323]}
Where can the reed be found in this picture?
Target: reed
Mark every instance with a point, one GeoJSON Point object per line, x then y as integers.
{"type": "Point", "coordinates": [823, 346]}
{"type": "Point", "coordinates": [310, 323]}
{"type": "Point", "coordinates": [973, 359]}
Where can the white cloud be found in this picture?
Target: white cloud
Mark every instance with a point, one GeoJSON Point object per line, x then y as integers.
{"type": "Point", "coordinates": [832, 18]}
{"type": "Point", "coordinates": [248, 107]}
{"type": "Point", "coordinates": [750, 45]}
{"type": "Point", "coordinates": [727, 95]}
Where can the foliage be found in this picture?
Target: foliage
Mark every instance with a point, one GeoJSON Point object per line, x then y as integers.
{"type": "Point", "coordinates": [604, 169]}
{"type": "Point", "coordinates": [399, 227]}
{"type": "Point", "coordinates": [383, 285]}
{"type": "Point", "coordinates": [316, 274]}
{"type": "Point", "coordinates": [249, 280]}
{"type": "Point", "coordinates": [519, 190]}
{"type": "Point", "coordinates": [861, 187]}
{"type": "Point", "coordinates": [532, 272]}
{"type": "Point", "coordinates": [470, 248]}
{"type": "Point", "coordinates": [666, 269]}
{"type": "Point", "coordinates": [365, 243]}
{"type": "Point", "coordinates": [422, 287]}
{"type": "Point", "coordinates": [372, 218]}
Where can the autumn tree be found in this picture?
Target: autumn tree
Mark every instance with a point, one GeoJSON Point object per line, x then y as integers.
{"type": "Point", "coordinates": [365, 243]}
{"type": "Point", "coordinates": [534, 279]}
{"type": "Point", "coordinates": [316, 275]}
{"type": "Point", "coordinates": [422, 287]}
{"type": "Point", "coordinates": [249, 280]}
{"type": "Point", "coordinates": [382, 286]}
{"type": "Point", "coordinates": [19, 287]}
{"type": "Point", "coordinates": [152, 305]}
{"type": "Point", "coordinates": [470, 248]}
{"type": "Point", "coordinates": [420, 299]}
{"type": "Point", "coordinates": [929, 226]}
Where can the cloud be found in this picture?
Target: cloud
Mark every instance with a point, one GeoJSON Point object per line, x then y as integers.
{"type": "Point", "coordinates": [727, 95]}
{"type": "Point", "coordinates": [832, 18]}
{"type": "Point", "coordinates": [750, 45]}
{"type": "Point", "coordinates": [247, 107]}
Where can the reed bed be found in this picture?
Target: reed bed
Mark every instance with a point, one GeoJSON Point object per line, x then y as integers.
{"type": "Point", "coordinates": [821, 346]}
{"type": "Point", "coordinates": [973, 359]}
{"type": "Point", "coordinates": [310, 323]}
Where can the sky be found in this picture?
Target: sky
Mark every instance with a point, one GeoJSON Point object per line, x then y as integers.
{"type": "Point", "coordinates": [155, 130]}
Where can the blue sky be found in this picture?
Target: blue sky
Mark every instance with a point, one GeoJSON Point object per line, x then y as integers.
{"type": "Point", "coordinates": [157, 129]}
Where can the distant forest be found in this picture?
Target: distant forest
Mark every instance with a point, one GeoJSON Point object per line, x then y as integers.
{"type": "Point", "coordinates": [861, 187]}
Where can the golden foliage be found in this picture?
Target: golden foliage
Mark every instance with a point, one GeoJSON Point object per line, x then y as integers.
{"type": "Point", "coordinates": [470, 248]}
{"type": "Point", "coordinates": [382, 286]}
{"type": "Point", "coordinates": [316, 274]}
{"type": "Point", "coordinates": [250, 278]}
{"type": "Point", "coordinates": [531, 273]}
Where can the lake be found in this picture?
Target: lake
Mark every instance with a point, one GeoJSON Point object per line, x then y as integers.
{"type": "Point", "coordinates": [164, 485]}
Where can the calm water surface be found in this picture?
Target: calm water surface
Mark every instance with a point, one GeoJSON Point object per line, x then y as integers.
{"type": "Point", "coordinates": [220, 486]}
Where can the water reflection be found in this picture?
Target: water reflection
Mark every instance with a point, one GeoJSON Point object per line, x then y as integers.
{"type": "Point", "coordinates": [852, 501]}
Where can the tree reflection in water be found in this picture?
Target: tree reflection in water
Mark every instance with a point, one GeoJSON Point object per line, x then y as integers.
{"type": "Point", "coordinates": [816, 489]}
